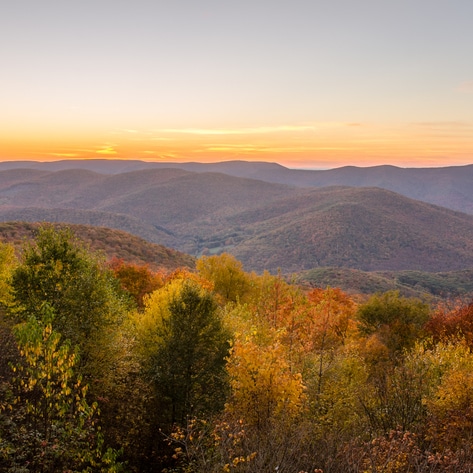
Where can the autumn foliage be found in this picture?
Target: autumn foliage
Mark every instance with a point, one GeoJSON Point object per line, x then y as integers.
{"type": "Point", "coordinates": [220, 370]}
{"type": "Point", "coordinates": [136, 280]}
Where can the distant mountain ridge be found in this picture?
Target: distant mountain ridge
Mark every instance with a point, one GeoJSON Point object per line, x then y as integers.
{"type": "Point", "coordinates": [266, 225]}
{"type": "Point", "coordinates": [450, 187]}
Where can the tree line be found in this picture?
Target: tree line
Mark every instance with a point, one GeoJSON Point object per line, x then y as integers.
{"type": "Point", "coordinates": [112, 367]}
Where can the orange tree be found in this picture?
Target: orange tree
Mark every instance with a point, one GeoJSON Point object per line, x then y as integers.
{"type": "Point", "coordinates": [137, 280]}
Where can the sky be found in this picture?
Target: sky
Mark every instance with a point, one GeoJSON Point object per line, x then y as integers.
{"type": "Point", "coordinates": [305, 83]}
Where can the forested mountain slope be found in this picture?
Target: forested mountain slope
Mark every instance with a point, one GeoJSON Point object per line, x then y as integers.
{"type": "Point", "coordinates": [431, 286]}
{"type": "Point", "coordinates": [368, 229]}
{"type": "Point", "coordinates": [110, 243]}
{"type": "Point", "coordinates": [265, 225]}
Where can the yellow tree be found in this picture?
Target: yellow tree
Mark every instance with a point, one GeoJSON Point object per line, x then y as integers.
{"type": "Point", "coordinates": [423, 419]}
{"type": "Point", "coordinates": [226, 273]}
{"type": "Point", "coordinates": [449, 399]}
{"type": "Point", "coordinates": [282, 308]}
{"type": "Point", "coordinates": [267, 401]}
{"type": "Point", "coordinates": [8, 262]}
{"type": "Point", "coordinates": [263, 387]}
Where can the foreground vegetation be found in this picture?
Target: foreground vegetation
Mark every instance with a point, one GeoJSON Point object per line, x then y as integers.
{"type": "Point", "coordinates": [115, 367]}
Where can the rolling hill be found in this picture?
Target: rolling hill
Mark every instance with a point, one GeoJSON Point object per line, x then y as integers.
{"type": "Point", "coordinates": [450, 187]}
{"type": "Point", "coordinates": [110, 243]}
{"type": "Point", "coordinates": [266, 225]}
{"type": "Point", "coordinates": [424, 285]}
{"type": "Point", "coordinates": [367, 229]}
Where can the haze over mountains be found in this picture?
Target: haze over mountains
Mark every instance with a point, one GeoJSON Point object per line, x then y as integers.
{"type": "Point", "coordinates": [450, 187]}
{"type": "Point", "coordinates": [267, 225]}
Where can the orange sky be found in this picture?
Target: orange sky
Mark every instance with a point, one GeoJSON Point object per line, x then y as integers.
{"type": "Point", "coordinates": [319, 145]}
{"type": "Point", "coordinates": [305, 83]}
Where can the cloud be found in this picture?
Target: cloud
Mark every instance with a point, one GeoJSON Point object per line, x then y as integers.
{"type": "Point", "coordinates": [249, 148]}
{"type": "Point", "coordinates": [239, 131]}
{"type": "Point", "coordinates": [466, 87]}
{"type": "Point", "coordinates": [64, 155]}
{"type": "Point", "coordinates": [445, 125]}
{"type": "Point", "coordinates": [439, 128]}
{"type": "Point", "coordinates": [240, 148]}
{"type": "Point", "coordinates": [108, 150]}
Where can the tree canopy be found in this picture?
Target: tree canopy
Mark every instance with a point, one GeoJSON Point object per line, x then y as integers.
{"type": "Point", "coordinates": [109, 366]}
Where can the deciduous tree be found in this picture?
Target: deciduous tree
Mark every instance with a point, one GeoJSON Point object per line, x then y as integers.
{"type": "Point", "coordinates": [263, 387]}
{"type": "Point", "coordinates": [47, 424]}
{"type": "Point", "coordinates": [227, 274]}
{"type": "Point", "coordinates": [397, 321]}
{"type": "Point", "coordinates": [57, 270]}
{"type": "Point", "coordinates": [137, 280]}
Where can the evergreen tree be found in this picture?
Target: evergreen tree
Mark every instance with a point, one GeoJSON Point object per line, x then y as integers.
{"type": "Point", "coordinates": [188, 366]}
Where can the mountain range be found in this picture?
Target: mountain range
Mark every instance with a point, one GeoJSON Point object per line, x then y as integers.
{"type": "Point", "coordinates": [450, 186]}
{"type": "Point", "coordinates": [287, 225]}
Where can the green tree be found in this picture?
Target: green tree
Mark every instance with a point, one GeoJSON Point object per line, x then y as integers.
{"type": "Point", "coordinates": [46, 423]}
{"type": "Point", "coordinates": [397, 321]}
{"type": "Point", "coordinates": [396, 399]}
{"type": "Point", "coordinates": [8, 351]}
{"type": "Point", "coordinates": [8, 262]}
{"type": "Point", "coordinates": [57, 270]}
{"type": "Point", "coordinates": [188, 366]}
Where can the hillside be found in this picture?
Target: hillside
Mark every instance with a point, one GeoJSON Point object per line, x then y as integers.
{"type": "Point", "coordinates": [110, 243]}
{"type": "Point", "coordinates": [451, 284]}
{"type": "Point", "coordinates": [367, 229]}
{"type": "Point", "coordinates": [450, 187]}
{"type": "Point", "coordinates": [265, 225]}
{"type": "Point", "coordinates": [167, 206]}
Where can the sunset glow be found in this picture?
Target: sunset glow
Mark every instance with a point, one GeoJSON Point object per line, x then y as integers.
{"type": "Point", "coordinates": [379, 83]}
